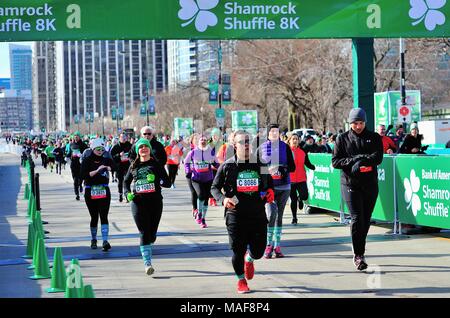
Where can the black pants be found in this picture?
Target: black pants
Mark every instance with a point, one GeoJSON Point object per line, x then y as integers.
{"type": "Point", "coordinates": [173, 171]}
{"type": "Point", "coordinates": [193, 194]}
{"type": "Point", "coordinates": [77, 182]}
{"type": "Point", "coordinates": [98, 207]}
{"type": "Point", "coordinates": [202, 189]}
{"type": "Point", "coordinates": [120, 174]}
{"type": "Point", "coordinates": [147, 214]}
{"type": "Point", "coordinates": [361, 203]}
{"type": "Point", "coordinates": [299, 193]}
{"type": "Point", "coordinates": [246, 234]}
{"type": "Point", "coordinates": [58, 167]}
{"type": "Point", "coordinates": [44, 160]}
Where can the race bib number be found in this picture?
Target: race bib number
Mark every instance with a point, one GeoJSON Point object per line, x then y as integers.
{"type": "Point", "coordinates": [201, 166]}
{"type": "Point", "coordinates": [125, 158]}
{"type": "Point", "coordinates": [143, 186]}
{"type": "Point", "coordinates": [276, 175]}
{"type": "Point", "coordinates": [98, 192]}
{"type": "Point", "coordinates": [247, 181]}
{"type": "Point", "coordinates": [76, 153]}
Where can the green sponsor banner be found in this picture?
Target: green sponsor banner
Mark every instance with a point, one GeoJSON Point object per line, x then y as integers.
{"type": "Point", "coordinates": [143, 110]}
{"type": "Point", "coordinates": [30, 20]}
{"type": "Point", "coordinates": [385, 206]}
{"type": "Point", "coordinates": [389, 108]}
{"type": "Point", "coordinates": [183, 127]}
{"type": "Point", "coordinates": [151, 106]}
{"type": "Point", "coordinates": [423, 190]}
{"type": "Point", "coordinates": [323, 183]}
{"type": "Point", "coordinates": [114, 113]}
{"type": "Point", "coordinates": [245, 119]}
{"type": "Point", "coordinates": [213, 89]}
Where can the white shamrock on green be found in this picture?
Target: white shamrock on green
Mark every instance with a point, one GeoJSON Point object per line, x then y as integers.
{"type": "Point", "coordinates": [185, 124]}
{"type": "Point", "coordinates": [427, 9]}
{"type": "Point", "coordinates": [247, 119]}
{"type": "Point", "coordinates": [198, 10]}
{"type": "Point", "coordinates": [412, 185]}
{"type": "Point", "coordinates": [310, 179]}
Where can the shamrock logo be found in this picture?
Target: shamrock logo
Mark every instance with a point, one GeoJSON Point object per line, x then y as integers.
{"type": "Point", "coordinates": [198, 10]}
{"type": "Point", "coordinates": [412, 185]}
{"type": "Point", "coordinates": [310, 178]}
{"type": "Point", "coordinates": [427, 9]}
{"type": "Point", "coordinates": [185, 124]}
{"type": "Point", "coordinates": [247, 119]}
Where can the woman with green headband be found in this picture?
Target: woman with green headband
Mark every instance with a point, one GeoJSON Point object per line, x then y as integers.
{"type": "Point", "coordinates": [146, 199]}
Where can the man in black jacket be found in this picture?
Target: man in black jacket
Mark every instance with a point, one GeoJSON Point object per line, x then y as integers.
{"type": "Point", "coordinates": [120, 154]}
{"type": "Point", "coordinates": [158, 151]}
{"type": "Point", "coordinates": [77, 147]}
{"type": "Point", "coordinates": [358, 152]}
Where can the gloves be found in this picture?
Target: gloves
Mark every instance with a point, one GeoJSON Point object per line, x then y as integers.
{"type": "Point", "coordinates": [130, 196]}
{"type": "Point", "coordinates": [270, 196]}
{"type": "Point", "coordinates": [150, 177]}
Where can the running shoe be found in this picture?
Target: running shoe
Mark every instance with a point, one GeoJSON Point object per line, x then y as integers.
{"type": "Point", "coordinates": [106, 246]}
{"type": "Point", "coordinates": [249, 268]}
{"type": "Point", "coordinates": [360, 262]}
{"type": "Point", "coordinates": [199, 218]}
{"type": "Point", "coordinates": [268, 252]}
{"type": "Point", "coordinates": [77, 198]}
{"type": "Point", "coordinates": [94, 244]}
{"type": "Point", "coordinates": [149, 270]}
{"type": "Point", "coordinates": [204, 224]}
{"type": "Point", "coordinates": [294, 221]}
{"type": "Point", "coordinates": [242, 287]}
{"type": "Point", "coordinates": [120, 197]}
{"type": "Point", "coordinates": [278, 253]}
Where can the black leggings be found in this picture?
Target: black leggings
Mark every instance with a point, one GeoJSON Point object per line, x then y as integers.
{"type": "Point", "coordinates": [120, 174]}
{"type": "Point", "coordinates": [202, 189]}
{"type": "Point", "coordinates": [98, 207]}
{"type": "Point", "coordinates": [173, 171]}
{"type": "Point", "coordinates": [360, 203]}
{"type": "Point", "coordinates": [58, 166]}
{"type": "Point", "coordinates": [299, 193]}
{"type": "Point", "coordinates": [245, 235]}
{"type": "Point", "coordinates": [77, 183]}
{"type": "Point", "coordinates": [193, 194]}
{"type": "Point", "coordinates": [147, 214]}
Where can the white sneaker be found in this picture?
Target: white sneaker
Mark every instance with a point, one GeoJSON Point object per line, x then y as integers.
{"type": "Point", "coordinates": [149, 270]}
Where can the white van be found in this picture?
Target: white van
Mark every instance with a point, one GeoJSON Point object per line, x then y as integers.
{"type": "Point", "coordinates": [302, 132]}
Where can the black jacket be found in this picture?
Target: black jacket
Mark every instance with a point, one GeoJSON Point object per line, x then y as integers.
{"type": "Point", "coordinates": [353, 151]}
{"type": "Point", "coordinates": [251, 205]}
{"type": "Point", "coordinates": [411, 142]}
{"type": "Point", "coordinates": [125, 147]}
{"type": "Point", "coordinates": [92, 163]}
{"type": "Point", "coordinates": [158, 152]}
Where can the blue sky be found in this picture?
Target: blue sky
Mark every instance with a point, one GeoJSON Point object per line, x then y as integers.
{"type": "Point", "coordinates": [4, 57]}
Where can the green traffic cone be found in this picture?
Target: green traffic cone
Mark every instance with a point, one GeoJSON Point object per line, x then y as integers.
{"type": "Point", "coordinates": [33, 210]}
{"type": "Point", "coordinates": [88, 292]}
{"type": "Point", "coordinates": [38, 223]}
{"type": "Point", "coordinates": [26, 193]}
{"type": "Point", "coordinates": [58, 283]}
{"type": "Point", "coordinates": [74, 281]}
{"type": "Point", "coordinates": [37, 236]}
{"type": "Point", "coordinates": [30, 242]}
{"type": "Point", "coordinates": [41, 268]}
{"type": "Point", "coordinates": [30, 202]}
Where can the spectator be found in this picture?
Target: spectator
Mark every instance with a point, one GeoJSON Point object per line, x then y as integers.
{"type": "Point", "coordinates": [389, 146]}
{"type": "Point", "coordinates": [310, 146]}
{"type": "Point", "coordinates": [413, 142]}
{"type": "Point", "coordinates": [399, 136]}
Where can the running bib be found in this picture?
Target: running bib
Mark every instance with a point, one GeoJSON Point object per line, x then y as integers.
{"type": "Point", "coordinates": [202, 166]}
{"type": "Point", "coordinates": [76, 153]}
{"type": "Point", "coordinates": [247, 181]}
{"type": "Point", "coordinates": [98, 192]}
{"type": "Point", "coordinates": [276, 175]}
{"type": "Point", "coordinates": [124, 158]}
{"type": "Point", "coordinates": [143, 186]}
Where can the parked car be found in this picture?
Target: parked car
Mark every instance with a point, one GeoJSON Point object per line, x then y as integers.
{"type": "Point", "coordinates": [302, 132]}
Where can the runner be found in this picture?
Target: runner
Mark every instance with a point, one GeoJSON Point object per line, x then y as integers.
{"type": "Point", "coordinates": [49, 154]}
{"type": "Point", "coordinates": [158, 151]}
{"type": "Point", "coordinates": [199, 165]}
{"type": "Point", "coordinates": [58, 152]}
{"type": "Point", "coordinates": [146, 199]}
{"type": "Point", "coordinates": [120, 155]}
{"type": "Point", "coordinates": [245, 190]}
{"type": "Point", "coordinates": [95, 173]}
{"type": "Point", "coordinates": [174, 153]}
{"type": "Point", "coordinates": [76, 148]}
{"type": "Point", "coordinates": [193, 140]}
{"type": "Point", "coordinates": [299, 188]}
{"type": "Point", "coordinates": [215, 143]}
{"type": "Point", "coordinates": [278, 156]}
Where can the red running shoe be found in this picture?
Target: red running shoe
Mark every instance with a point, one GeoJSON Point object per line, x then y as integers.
{"type": "Point", "coordinates": [242, 287]}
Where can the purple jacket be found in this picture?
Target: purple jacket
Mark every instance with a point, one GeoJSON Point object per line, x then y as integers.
{"type": "Point", "coordinates": [278, 154]}
{"type": "Point", "coordinates": [199, 164]}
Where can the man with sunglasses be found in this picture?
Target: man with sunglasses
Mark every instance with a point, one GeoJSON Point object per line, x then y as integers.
{"type": "Point", "coordinates": [120, 155]}
{"type": "Point", "coordinates": [158, 151]}
{"type": "Point", "coordinates": [243, 189]}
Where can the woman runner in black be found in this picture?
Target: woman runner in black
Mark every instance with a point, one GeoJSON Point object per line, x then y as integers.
{"type": "Point", "coordinates": [146, 199]}
{"type": "Point", "coordinates": [95, 173]}
{"type": "Point", "coordinates": [246, 190]}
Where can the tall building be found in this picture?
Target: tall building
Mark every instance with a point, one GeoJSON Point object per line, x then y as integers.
{"type": "Point", "coordinates": [20, 66]}
{"type": "Point", "coordinates": [77, 78]}
{"type": "Point", "coordinates": [99, 75]}
{"type": "Point", "coordinates": [191, 61]}
{"type": "Point", "coordinates": [15, 111]}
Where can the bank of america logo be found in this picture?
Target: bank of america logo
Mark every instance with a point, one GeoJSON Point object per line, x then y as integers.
{"type": "Point", "coordinates": [197, 11]}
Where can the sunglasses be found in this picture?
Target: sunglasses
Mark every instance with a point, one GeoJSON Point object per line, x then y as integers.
{"type": "Point", "coordinates": [99, 149]}
{"type": "Point", "coordinates": [147, 134]}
